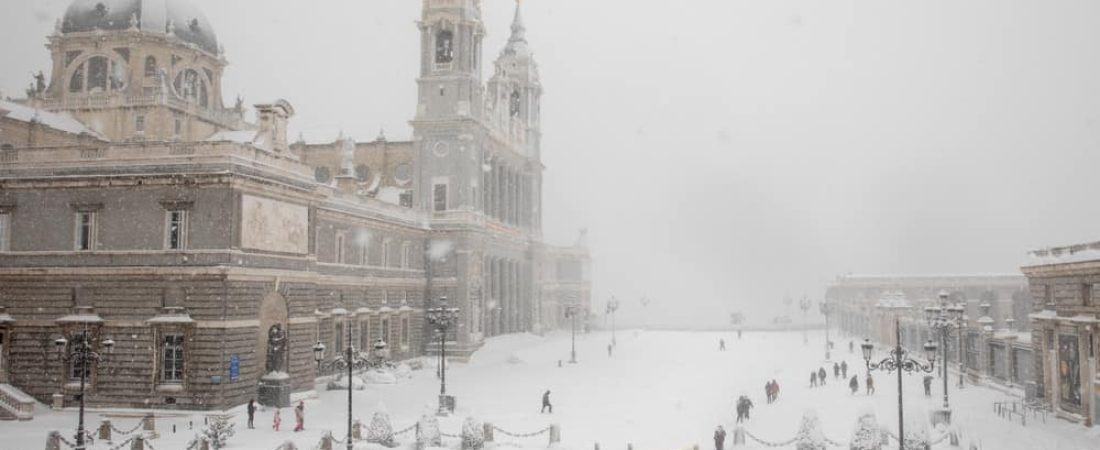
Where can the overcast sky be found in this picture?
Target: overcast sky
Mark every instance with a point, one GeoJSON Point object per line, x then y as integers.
{"type": "Point", "coordinates": [725, 153]}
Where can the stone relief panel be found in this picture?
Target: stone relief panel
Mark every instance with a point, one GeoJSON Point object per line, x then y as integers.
{"type": "Point", "coordinates": [275, 226]}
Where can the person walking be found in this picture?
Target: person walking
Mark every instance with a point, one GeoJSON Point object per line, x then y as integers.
{"type": "Point", "coordinates": [748, 406]}
{"type": "Point", "coordinates": [844, 369]}
{"type": "Point", "coordinates": [608, 350]}
{"type": "Point", "coordinates": [822, 375]}
{"type": "Point", "coordinates": [719, 438]}
{"type": "Point", "coordinates": [870, 385]}
{"type": "Point", "coordinates": [836, 371]}
{"type": "Point", "coordinates": [928, 385]}
{"type": "Point", "coordinates": [300, 416]}
{"type": "Point", "coordinates": [813, 379]}
{"type": "Point", "coordinates": [251, 413]}
{"type": "Point", "coordinates": [546, 403]}
{"type": "Point", "coordinates": [768, 391]}
{"type": "Point", "coordinates": [276, 421]}
{"type": "Point", "coordinates": [722, 345]}
{"type": "Point", "coordinates": [775, 390]}
{"type": "Point", "coordinates": [851, 347]}
{"type": "Point", "coordinates": [853, 384]}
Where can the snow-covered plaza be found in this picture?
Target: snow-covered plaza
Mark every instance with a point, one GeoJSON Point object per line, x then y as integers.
{"type": "Point", "coordinates": [658, 390]}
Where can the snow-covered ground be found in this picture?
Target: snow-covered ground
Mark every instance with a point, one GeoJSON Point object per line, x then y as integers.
{"type": "Point", "coordinates": [660, 390]}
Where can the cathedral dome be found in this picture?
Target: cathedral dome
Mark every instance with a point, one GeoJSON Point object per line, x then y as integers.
{"type": "Point", "coordinates": [177, 17]}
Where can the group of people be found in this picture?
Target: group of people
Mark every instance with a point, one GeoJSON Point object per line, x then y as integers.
{"type": "Point", "coordinates": [771, 390]}
{"type": "Point", "coordinates": [820, 376]}
{"type": "Point", "coordinates": [853, 384]}
{"type": "Point", "coordinates": [743, 407]}
{"type": "Point", "coordinates": [277, 420]}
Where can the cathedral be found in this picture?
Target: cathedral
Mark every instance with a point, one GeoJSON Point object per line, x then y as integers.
{"type": "Point", "coordinates": [137, 208]}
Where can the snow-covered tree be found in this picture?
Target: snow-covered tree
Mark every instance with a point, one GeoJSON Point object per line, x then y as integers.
{"type": "Point", "coordinates": [218, 432]}
{"type": "Point", "coordinates": [809, 435]}
{"type": "Point", "coordinates": [427, 432]}
{"type": "Point", "coordinates": [867, 435]}
{"type": "Point", "coordinates": [917, 439]}
{"type": "Point", "coordinates": [473, 434]}
{"type": "Point", "coordinates": [380, 430]}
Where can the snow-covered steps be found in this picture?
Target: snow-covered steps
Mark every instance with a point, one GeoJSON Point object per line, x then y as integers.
{"type": "Point", "coordinates": [14, 404]}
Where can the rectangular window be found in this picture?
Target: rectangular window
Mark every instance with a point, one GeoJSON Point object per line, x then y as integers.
{"type": "Point", "coordinates": [404, 331]}
{"type": "Point", "coordinates": [439, 195]}
{"type": "Point", "coordinates": [5, 232]}
{"type": "Point", "coordinates": [386, 329]}
{"type": "Point", "coordinates": [386, 254]}
{"type": "Point", "coordinates": [179, 127]}
{"type": "Point", "coordinates": [339, 250]}
{"type": "Point", "coordinates": [338, 338]}
{"type": "Point", "coordinates": [171, 370]}
{"type": "Point", "coordinates": [406, 199]}
{"type": "Point", "coordinates": [139, 124]}
{"type": "Point", "coordinates": [176, 230]}
{"type": "Point", "coordinates": [1086, 294]}
{"type": "Point", "coordinates": [364, 335]}
{"type": "Point", "coordinates": [405, 256]}
{"type": "Point", "coordinates": [85, 230]}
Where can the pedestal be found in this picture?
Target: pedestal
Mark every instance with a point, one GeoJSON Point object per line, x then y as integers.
{"type": "Point", "coordinates": [446, 405]}
{"type": "Point", "coordinates": [941, 415]}
{"type": "Point", "coordinates": [275, 390]}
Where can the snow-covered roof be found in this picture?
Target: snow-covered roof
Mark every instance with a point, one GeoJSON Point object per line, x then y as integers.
{"type": "Point", "coordinates": [59, 121]}
{"type": "Point", "coordinates": [6, 318]}
{"type": "Point", "coordinates": [81, 318]}
{"type": "Point", "coordinates": [237, 136]}
{"type": "Point", "coordinates": [1064, 255]}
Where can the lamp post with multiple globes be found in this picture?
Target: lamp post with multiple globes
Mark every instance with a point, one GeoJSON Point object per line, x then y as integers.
{"type": "Point", "coordinates": [79, 353]}
{"type": "Point", "coordinates": [899, 361]}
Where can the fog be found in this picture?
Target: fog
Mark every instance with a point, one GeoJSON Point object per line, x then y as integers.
{"type": "Point", "coordinates": [727, 153]}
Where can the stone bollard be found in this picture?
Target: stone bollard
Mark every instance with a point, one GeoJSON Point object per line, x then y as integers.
{"type": "Point", "coordinates": [105, 430]}
{"type": "Point", "coordinates": [53, 441]}
{"type": "Point", "coordinates": [138, 443]}
{"type": "Point", "coordinates": [326, 442]}
{"type": "Point", "coordinates": [954, 438]}
{"type": "Point", "coordinates": [487, 430]}
{"type": "Point", "coordinates": [738, 436]}
{"type": "Point", "coordinates": [357, 430]}
{"type": "Point", "coordinates": [555, 434]}
{"type": "Point", "coordinates": [149, 423]}
{"type": "Point", "coordinates": [58, 401]}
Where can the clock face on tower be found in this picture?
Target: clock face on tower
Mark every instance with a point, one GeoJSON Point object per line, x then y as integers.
{"type": "Point", "coordinates": [441, 149]}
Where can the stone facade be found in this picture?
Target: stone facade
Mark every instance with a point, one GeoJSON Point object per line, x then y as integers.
{"type": "Point", "coordinates": [1065, 329]}
{"type": "Point", "coordinates": [137, 207]}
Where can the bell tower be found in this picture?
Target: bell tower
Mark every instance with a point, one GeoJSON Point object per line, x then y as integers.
{"type": "Point", "coordinates": [451, 34]}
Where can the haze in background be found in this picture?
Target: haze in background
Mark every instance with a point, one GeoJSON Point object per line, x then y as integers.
{"type": "Point", "coordinates": [725, 153]}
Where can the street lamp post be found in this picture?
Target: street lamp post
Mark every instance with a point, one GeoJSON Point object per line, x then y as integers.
{"type": "Point", "coordinates": [942, 320]}
{"type": "Point", "coordinates": [350, 360]}
{"type": "Point", "coordinates": [612, 306]}
{"type": "Point", "coordinates": [443, 318]}
{"type": "Point", "coordinates": [804, 305]}
{"type": "Point", "coordinates": [80, 352]}
{"type": "Point", "coordinates": [900, 361]}
{"type": "Point", "coordinates": [826, 309]}
{"type": "Point", "coordinates": [572, 310]}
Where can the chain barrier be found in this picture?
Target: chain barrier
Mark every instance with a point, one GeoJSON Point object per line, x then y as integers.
{"type": "Point", "coordinates": [406, 430]}
{"type": "Point", "coordinates": [65, 441]}
{"type": "Point", "coordinates": [116, 430]}
{"type": "Point", "coordinates": [521, 435]}
{"type": "Point", "coordinates": [123, 444]}
{"type": "Point", "coordinates": [148, 444]}
{"type": "Point", "coordinates": [452, 436]}
{"type": "Point", "coordinates": [936, 441]}
{"type": "Point", "coordinates": [834, 443]}
{"type": "Point", "coordinates": [770, 444]}
{"type": "Point", "coordinates": [338, 441]}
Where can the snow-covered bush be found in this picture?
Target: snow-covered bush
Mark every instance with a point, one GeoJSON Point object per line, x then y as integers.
{"type": "Point", "coordinates": [917, 440]}
{"type": "Point", "coordinates": [809, 435]}
{"type": "Point", "coordinates": [341, 383]}
{"type": "Point", "coordinates": [427, 432]}
{"type": "Point", "coordinates": [216, 433]}
{"type": "Point", "coordinates": [380, 430]}
{"type": "Point", "coordinates": [473, 434]}
{"type": "Point", "coordinates": [403, 371]}
{"type": "Point", "coordinates": [867, 434]}
{"type": "Point", "coordinates": [380, 376]}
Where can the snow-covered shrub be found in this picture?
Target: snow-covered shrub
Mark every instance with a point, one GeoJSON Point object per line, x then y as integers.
{"type": "Point", "coordinates": [380, 376]}
{"type": "Point", "coordinates": [427, 432]}
{"type": "Point", "coordinates": [867, 434]}
{"type": "Point", "coordinates": [809, 435]}
{"type": "Point", "coordinates": [217, 433]}
{"type": "Point", "coordinates": [473, 434]}
{"type": "Point", "coordinates": [341, 383]}
{"type": "Point", "coordinates": [403, 371]}
{"type": "Point", "coordinates": [380, 430]}
{"type": "Point", "coordinates": [917, 436]}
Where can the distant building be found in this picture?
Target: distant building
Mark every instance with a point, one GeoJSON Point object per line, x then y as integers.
{"type": "Point", "coordinates": [1066, 329]}
{"type": "Point", "coordinates": [995, 342]}
{"type": "Point", "coordinates": [135, 205]}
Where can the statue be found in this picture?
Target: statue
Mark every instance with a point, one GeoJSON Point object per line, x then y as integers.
{"type": "Point", "coordinates": [40, 82]}
{"type": "Point", "coordinates": [239, 106]}
{"type": "Point", "coordinates": [276, 348]}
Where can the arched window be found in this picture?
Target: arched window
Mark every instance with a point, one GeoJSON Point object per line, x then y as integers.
{"type": "Point", "coordinates": [444, 47]}
{"type": "Point", "coordinates": [98, 74]}
{"type": "Point", "coordinates": [191, 86]}
{"type": "Point", "coordinates": [322, 174]}
{"type": "Point", "coordinates": [514, 105]}
{"type": "Point", "coordinates": [150, 66]}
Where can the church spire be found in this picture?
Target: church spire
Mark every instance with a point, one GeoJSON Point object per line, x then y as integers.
{"type": "Point", "coordinates": [519, 31]}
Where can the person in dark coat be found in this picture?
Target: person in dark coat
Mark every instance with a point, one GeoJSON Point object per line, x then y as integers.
{"type": "Point", "coordinates": [928, 385]}
{"type": "Point", "coordinates": [251, 413]}
{"type": "Point", "coordinates": [870, 385]}
{"type": "Point", "coordinates": [851, 347]}
{"type": "Point", "coordinates": [748, 406]}
{"type": "Point", "coordinates": [844, 369]}
{"type": "Point", "coordinates": [546, 403]}
{"type": "Point", "coordinates": [722, 345]}
{"type": "Point", "coordinates": [836, 370]}
{"type": "Point", "coordinates": [768, 391]}
{"type": "Point", "coordinates": [853, 384]}
{"type": "Point", "coordinates": [775, 390]}
{"type": "Point", "coordinates": [719, 438]}
{"type": "Point", "coordinates": [822, 375]}
{"type": "Point", "coordinates": [813, 379]}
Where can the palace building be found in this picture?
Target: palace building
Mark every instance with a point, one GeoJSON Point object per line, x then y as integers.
{"type": "Point", "coordinates": [136, 206]}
